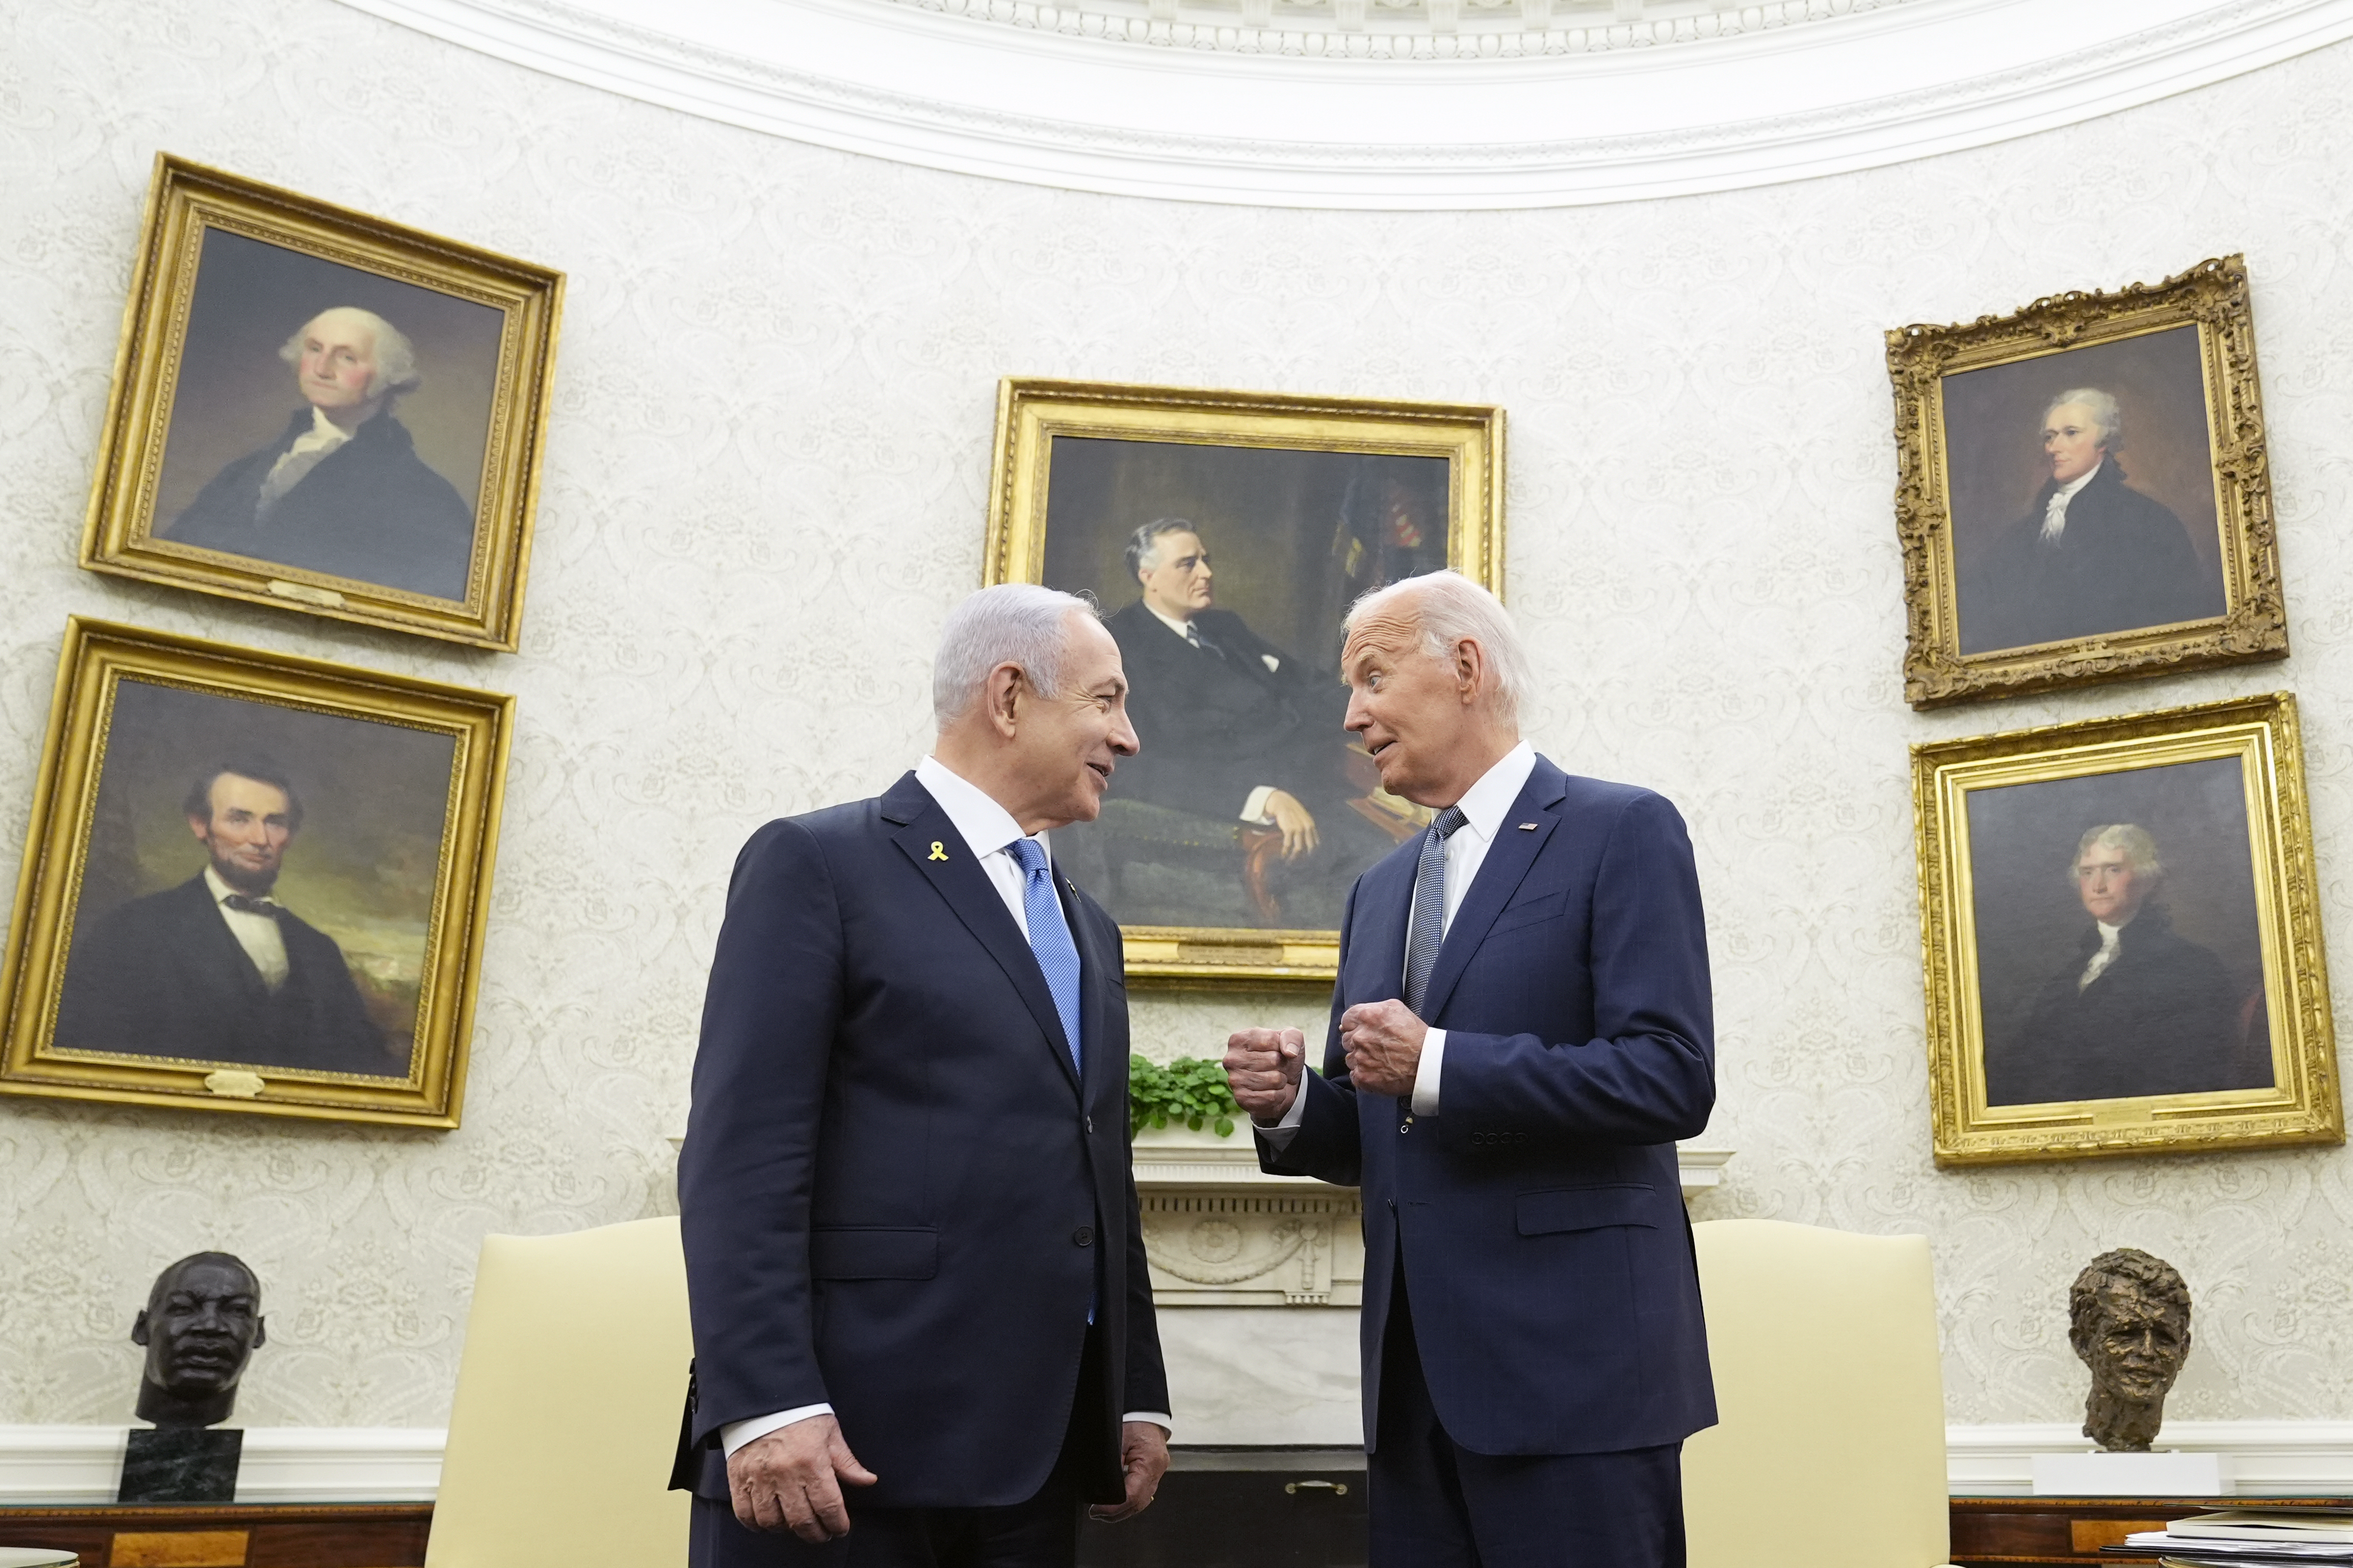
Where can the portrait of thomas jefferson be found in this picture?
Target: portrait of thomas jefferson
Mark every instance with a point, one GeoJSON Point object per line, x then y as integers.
{"type": "Point", "coordinates": [341, 490]}
{"type": "Point", "coordinates": [1235, 729]}
{"type": "Point", "coordinates": [2132, 1009]}
{"type": "Point", "coordinates": [218, 969]}
{"type": "Point", "coordinates": [2093, 555]}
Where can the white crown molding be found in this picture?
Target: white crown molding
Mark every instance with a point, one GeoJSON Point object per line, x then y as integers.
{"type": "Point", "coordinates": [401, 1464]}
{"type": "Point", "coordinates": [955, 92]}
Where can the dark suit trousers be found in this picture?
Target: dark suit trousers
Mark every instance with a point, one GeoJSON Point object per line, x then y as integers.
{"type": "Point", "coordinates": [1436, 1504]}
{"type": "Point", "coordinates": [1042, 1533]}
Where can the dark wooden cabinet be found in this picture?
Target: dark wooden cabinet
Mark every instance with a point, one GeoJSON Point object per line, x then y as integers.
{"type": "Point", "coordinates": [1268, 1507]}
{"type": "Point", "coordinates": [231, 1535]}
{"type": "Point", "coordinates": [2000, 1529]}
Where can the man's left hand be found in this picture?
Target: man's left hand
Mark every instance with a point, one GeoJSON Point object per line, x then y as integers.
{"type": "Point", "coordinates": [1383, 1040]}
{"type": "Point", "coordinates": [1143, 1457]}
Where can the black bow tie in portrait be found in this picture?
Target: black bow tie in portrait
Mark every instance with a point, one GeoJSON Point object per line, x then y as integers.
{"type": "Point", "coordinates": [245, 905]}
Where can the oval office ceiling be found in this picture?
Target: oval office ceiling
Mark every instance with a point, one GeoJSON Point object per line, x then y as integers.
{"type": "Point", "coordinates": [1398, 104]}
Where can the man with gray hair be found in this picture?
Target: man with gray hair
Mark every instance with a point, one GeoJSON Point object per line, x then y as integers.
{"type": "Point", "coordinates": [342, 490]}
{"type": "Point", "coordinates": [2092, 555]}
{"type": "Point", "coordinates": [2136, 1008]}
{"type": "Point", "coordinates": [914, 1262]}
{"type": "Point", "coordinates": [1521, 1030]}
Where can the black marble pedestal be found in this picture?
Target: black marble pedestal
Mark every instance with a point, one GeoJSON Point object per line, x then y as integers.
{"type": "Point", "coordinates": [181, 1464]}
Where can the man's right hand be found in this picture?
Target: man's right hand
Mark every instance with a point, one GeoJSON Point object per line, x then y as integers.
{"type": "Point", "coordinates": [1262, 1068]}
{"type": "Point", "coordinates": [787, 1480]}
{"type": "Point", "coordinates": [1297, 824]}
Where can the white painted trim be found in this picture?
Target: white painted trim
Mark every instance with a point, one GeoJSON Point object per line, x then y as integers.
{"type": "Point", "coordinates": [1192, 122]}
{"type": "Point", "coordinates": [1175, 1158]}
{"type": "Point", "coordinates": [2274, 1459]}
{"type": "Point", "coordinates": [278, 1464]}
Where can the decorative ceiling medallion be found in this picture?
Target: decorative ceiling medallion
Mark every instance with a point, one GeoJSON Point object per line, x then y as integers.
{"type": "Point", "coordinates": [1399, 115]}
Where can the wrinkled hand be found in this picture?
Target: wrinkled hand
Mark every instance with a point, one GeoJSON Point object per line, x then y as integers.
{"type": "Point", "coordinates": [791, 1480]}
{"type": "Point", "coordinates": [1262, 1068]}
{"type": "Point", "coordinates": [1297, 824]}
{"type": "Point", "coordinates": [1383, 1040]}
{"type": "Point", "coordinates": [1143, 1459]}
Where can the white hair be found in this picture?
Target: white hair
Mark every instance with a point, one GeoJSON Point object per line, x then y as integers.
{"type": "Point", "coordinates": [2106, 416]}
{"type": "Point", "coordinates": [395, 356]}
{"type": "Point", "coordinates": [2140, 849]}
{"type": "Point", "coordinates": [1014, 623]}
{"type": "Point", "coordinates": [1449, 608]}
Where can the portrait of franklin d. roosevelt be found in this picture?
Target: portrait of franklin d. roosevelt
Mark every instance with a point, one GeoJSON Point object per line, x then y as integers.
{"type": "Point", "coordinates": [257, 888]}
{"type": "Point", "coordinates": [2119, 959]}
{"type": "Point", "coordinates": [329, 420]}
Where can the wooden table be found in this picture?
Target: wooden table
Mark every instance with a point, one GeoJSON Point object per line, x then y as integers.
{"type": "Point", "coordinates": [1990, 1529]}
{"type": "Point", "coordinates": [228, 1535]}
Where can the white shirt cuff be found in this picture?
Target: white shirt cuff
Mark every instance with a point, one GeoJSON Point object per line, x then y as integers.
{"type": "Point", "coordinates": [1159, 1418]}
{"type": "Point", "coordinates": [1254, 808]}
{"type": "Point", "coordinates": [735, 1434]}
{"type": "Point", "coordinates": [1425, 1077]}
{"type": "Point", "coordinates": [1280, 1135]}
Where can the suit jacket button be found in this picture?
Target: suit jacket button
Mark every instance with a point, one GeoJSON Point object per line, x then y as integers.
{"type": "Point", "coordinates": [1085, 1235]}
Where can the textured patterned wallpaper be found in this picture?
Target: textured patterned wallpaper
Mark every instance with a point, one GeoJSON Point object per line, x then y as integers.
{"type": "Point", "coordinates": [763, 489]}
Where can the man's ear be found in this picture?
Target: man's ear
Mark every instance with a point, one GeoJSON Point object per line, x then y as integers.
{"type": "Point", "coordinates": [1003, 696]}
{"type": "Point", "coordinates": [261, 1332]}
{"type": "Point", "coordinates": [1470, 663]}
{"type": "Point", "coordinates": [201, 827]}
{"type": "Point", "coordinates": [139, 1328]}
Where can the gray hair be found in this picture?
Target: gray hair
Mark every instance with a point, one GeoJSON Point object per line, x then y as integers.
{"type": "Point", "coordinates": [1450, 608]}
{"type": "Point", "coordinates": [2140, 849]}
{"type": "Point", "coordinates": [2106, 415]}
{"type": "Point", "coordinates": [1014, 623]}
{"type": "Point", "coordinates": [395, 356]}
{"type": "Point", "coordinates": [1145, 540]}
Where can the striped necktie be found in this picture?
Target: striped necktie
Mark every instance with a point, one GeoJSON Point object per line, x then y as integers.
{"type": "Point", "coordinates": [1428, 931]}
{"type": "Point", "coordinates": [1049, 938]}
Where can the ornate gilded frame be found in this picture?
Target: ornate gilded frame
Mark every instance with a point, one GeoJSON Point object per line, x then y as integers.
{"type": "Point", "coordinates": [1032, 413]}
{"type": "Point", "coordinates": [2213, 296]}
{"type": "Point", "coordinates": [186, 200]}
{"type": "Point", "coordinates": [97, 657]}
{"type": "Point", "coordinates": [2304, 1106]}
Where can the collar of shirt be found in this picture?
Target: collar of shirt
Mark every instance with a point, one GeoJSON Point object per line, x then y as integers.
{"type": "Point", "coordinates": [988, 830]}
{"type": "Point", "coordinates": [221, 890]}
{"type": "Point", "coordinates": [325, 434]}
{"type": "Point", "coordinates": [2067, 491]}
{"type": "Point", "coordinates": [1484, 803]}
{"type": "Point", "coordinates": [2108, 933]}
{"type": "Point", "coordinates": [1173, 625]}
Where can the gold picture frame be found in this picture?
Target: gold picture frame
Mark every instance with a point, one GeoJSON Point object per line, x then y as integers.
{"type": "Point", "coordinates": [420, 519]}
{"type": "Point", "coordinates": [2166, 562]}
{"type": "Point", "coordinates": [2208, 1029]}
{"type": "Point", "coordinates": [121, 983]}
{"type": "Point", "coordinates": [1310, 501]}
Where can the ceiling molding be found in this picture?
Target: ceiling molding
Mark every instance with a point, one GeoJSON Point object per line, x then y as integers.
{"type": "Point", "coordinates": [1856, 89]}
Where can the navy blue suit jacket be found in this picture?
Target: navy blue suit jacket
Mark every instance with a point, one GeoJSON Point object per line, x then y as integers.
{"type": "Point", "coordinates": [1554, 1299]}
{"type": "Point", "coordinates": [897, 1196]}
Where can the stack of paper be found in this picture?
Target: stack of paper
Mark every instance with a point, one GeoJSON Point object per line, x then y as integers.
{"type": "Point", "coordinates": [2249, 1536]}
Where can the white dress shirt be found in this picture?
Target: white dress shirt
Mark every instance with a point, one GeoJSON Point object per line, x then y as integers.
{"type": "Point", "coordinates": [988, 830]}
{"type": "Point", "coordinates": [309, 451]}
{"type": "Point", "coordinates": [1483, 806]}
{"type": "Point", "coordinates": [2109, 948]}
{"type": "Point", "coordinates": [262, 937]}
{"type": "Point", "coordinates": [2055, 514]}
{"type": "Point", "coordinates": [1254, 805]}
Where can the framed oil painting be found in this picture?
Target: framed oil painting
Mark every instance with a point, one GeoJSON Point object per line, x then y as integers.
{"type": "Point", "coordinates": [2082, 491]}
{"type": "Point", "coordinates": [252, 882]}
{"type": "Point", "coordinates": [2121, 924]}
{"type": "Point", "coordinates": [318, 409]}
{"type": "Point", "coordinates": [1225, 535]}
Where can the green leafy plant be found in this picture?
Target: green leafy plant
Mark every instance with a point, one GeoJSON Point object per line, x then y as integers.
{"type": "Point", "coordinates": [1190, 1091]}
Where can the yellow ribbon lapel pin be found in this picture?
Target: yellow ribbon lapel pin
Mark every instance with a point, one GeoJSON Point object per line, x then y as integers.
{"type": "Point", "coordinates": [939, 852]}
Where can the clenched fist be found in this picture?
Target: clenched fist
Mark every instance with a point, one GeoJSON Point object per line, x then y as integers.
{"type": "Point", "coordinates": [1262, 1068]}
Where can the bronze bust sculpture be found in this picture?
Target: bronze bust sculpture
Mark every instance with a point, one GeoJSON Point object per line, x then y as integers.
{"type": "Point", "coordinates": [2129, 1318]}
{"type": "Point", "coordinates": [201, 1324]}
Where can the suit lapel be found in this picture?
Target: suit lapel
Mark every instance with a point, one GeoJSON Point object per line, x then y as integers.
{"type": "Point", "coordinates": [228, 956]}
{"type": "Point", "coordinates": [1500, 874]}
{"type": "Point", "coordinates": [931, 842]}
{"type": "Point", "coordinates": [1096, 958]}
{"type": "Point", "coordinates": [1385, 906]}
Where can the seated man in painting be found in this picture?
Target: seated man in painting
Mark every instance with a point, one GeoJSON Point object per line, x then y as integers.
{"type": "Point", "coordinates": [342, 489]}
{"type": "Point", "coordinates": [1234, 728]}
{"type": "Point", "coordinates": [2092, 555]}
{"type": "Point", "coordinates": [217, 970]}
{"type": "Point", "coordinates": [2136, 1009]}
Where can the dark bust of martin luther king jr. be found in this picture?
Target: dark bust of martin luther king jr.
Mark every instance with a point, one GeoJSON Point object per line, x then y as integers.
{"type": "Point", "coordinates": [217, 969]}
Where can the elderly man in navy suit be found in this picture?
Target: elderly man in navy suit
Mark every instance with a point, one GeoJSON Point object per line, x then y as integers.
{"type": "Point", "coordinates": [913, 1258]}
{"type": "Point", "coordinates": [1521, 1030]}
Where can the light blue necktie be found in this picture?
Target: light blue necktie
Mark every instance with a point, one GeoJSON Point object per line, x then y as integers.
{"type": "Point", "coordinates": [1429, 930]}
{"type": "Point", "coordinates": [1050, 937]}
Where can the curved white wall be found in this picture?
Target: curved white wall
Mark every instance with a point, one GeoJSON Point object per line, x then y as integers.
{"type": "Point", "coordinates": [764, 486]}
